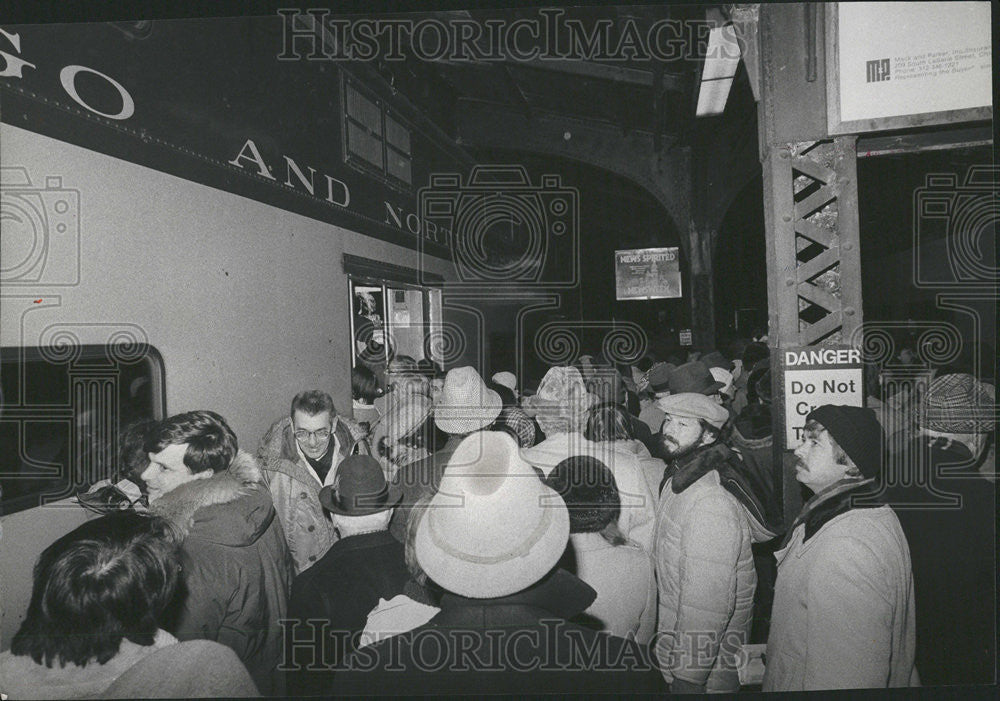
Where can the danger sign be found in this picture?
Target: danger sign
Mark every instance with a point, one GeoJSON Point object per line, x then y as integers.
{"type": "Point", "coordinates": [818, 376]}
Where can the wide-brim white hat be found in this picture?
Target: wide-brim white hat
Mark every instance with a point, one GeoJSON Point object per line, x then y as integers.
{"type": "Point", "coordinates": [492, 528]}
{"type": "Point", "coordinates": [465, 403]}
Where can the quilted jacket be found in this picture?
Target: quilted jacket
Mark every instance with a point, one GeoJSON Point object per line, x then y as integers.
{"type": "Point", "coordinates": [704, 570]}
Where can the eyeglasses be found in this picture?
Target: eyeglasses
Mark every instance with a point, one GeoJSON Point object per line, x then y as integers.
{"type": "Point", "coordinates": [320, 434]}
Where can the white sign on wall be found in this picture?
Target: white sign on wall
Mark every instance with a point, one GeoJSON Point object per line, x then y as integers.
{"type": "Point", "coordinates": [818, 376]}
{"type": "Point", "coordinates": [898, 64]}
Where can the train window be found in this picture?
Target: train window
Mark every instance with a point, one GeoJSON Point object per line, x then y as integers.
{"type": "Point", "coordinates": [61, 409]}
{"type": "Point", "coordinates": [375, 141]}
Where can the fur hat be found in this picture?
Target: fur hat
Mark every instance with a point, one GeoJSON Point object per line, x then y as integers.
{"type": "Point", "coordinates": [561, 393]}
{"type": "Point", "coordinates": [857, 431]}
{"type": "Point", "coordinates": [693, 377]}
{"type": "Point", "coordinates": [958, 403]}
{"type": "Point", "coordinates": [465, 403]}
{"type": "Point", "coordinates": [694, 406]}
{"type": "Point", "coordinates": [492, 528]}
{"type": "Point", "coordinates": [359, 488]}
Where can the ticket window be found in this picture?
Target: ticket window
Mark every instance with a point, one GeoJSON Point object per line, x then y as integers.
{"type": "Point", "coordinates": [390, 319]}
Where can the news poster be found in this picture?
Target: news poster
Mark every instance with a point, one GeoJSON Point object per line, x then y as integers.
{"type": "Point", "coordinates": [647, 273]}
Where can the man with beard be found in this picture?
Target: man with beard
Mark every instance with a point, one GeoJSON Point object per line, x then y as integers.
{"type": "Point", "coordinates": [711, 509]}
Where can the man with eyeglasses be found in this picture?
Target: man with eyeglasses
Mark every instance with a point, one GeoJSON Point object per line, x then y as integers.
{"type": "Point", "coordinates": [300, 454]}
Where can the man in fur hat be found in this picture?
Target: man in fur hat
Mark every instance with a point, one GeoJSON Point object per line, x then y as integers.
{"type": "Point", "coordinates": [711, 509]}
{"type": "Point", "coordinates": [236, 565]}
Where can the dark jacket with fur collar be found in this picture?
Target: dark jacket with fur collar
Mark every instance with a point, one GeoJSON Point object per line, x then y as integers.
{"type": "Point", "coordinates": [236, 566]}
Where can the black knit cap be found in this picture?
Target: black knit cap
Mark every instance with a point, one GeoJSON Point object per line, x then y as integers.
{"type": "Point", "coordinates": [857, 431]}
{"type": "Point", "coordinates": [588, 488]}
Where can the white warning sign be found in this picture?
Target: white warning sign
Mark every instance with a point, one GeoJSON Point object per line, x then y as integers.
{"type": "Point", "coordinates": [818, 376]}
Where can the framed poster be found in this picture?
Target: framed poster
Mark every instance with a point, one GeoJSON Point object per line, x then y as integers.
{"type": "Point", "coordinates": [896, 65]}
{"type": "Point", "coordinates": [647, 273]}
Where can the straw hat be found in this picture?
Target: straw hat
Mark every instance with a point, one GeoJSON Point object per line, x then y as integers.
{"type": "Point", "coordinates": [465, 403]}
{"type": "Point", "coordinates": [492, 528]}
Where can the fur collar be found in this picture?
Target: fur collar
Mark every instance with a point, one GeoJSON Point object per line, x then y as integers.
{"type": "Point", "coordinates": [178, 506]}
{"type": "Point", "coordinates": [693, 467]}
{"type": "Point", "coordinates": [739, 476]}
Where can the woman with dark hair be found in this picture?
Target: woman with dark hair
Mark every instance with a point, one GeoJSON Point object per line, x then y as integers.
{"type": "Point", "coordinates": [98, 597]}
{"type": "Point", "coordinates": [611, 426]}
{"type": "Point", "coordinates": [364, 391]}
{"type": "Point", "coordinates": [598, 553]}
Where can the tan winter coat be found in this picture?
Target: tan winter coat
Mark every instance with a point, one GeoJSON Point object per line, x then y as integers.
{"type": "Point", "coordinates": [705, 577]}
{"type": "Point", "coordinates": [843, 615]}
{"type": "Point", "coordinates": [295, 489]}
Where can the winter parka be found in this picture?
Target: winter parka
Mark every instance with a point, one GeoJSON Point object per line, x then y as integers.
{"type": "Point", "coordinates": [295, 488]}
{"type": "Point", "coordinates": [704, 567]}
{"type": "Point", "coordinates": [237, 570]}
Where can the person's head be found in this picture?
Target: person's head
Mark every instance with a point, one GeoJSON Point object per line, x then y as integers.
{"type": "Point", "coordinates": [507, 397]}
{"type": "Point", "coordinates": [561, 402]}
{"type": "Point", "coordinates": [132, 456]}
{"type": "Point", "coordinates": [466, 403]}
{"type": "Point", "coordinates": [960, 408]}
{"type": "Point", "coordinates": [364, 384]}
{"type": "Point", "coordinates": [108, 580]}
{"type": "Point", "coordinates": [588, 488]}
{"type": "Point", "coordinates": [360, 499]}
{"type": "Point", "coordinates": [190, 446]}
{"type": "Point", "coordinates": [492, 528]}
{"type": "Point", "coordinates": [314, 419]}
{"type": "Point", "coordinates": [400, 371]}
{"type": "Point", "coordinates": [839, 442]}
{"type": "Point", "coordinates": [608, 422]}
{"type": "Point", "coordinates": [691, 420]}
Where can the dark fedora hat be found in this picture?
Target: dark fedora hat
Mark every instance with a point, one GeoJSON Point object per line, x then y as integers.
{"type": "Point", "coordinates": [659, 376]}
{"type": "Point", "coordinates": [359, 488]}
{"type": "Point", "coordinates": [693, 377]}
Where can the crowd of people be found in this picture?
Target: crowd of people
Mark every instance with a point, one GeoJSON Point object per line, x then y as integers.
{"type": "Point", "coordinates": [617, 529]}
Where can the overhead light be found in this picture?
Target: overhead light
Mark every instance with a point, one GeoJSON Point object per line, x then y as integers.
{"type": "Point", "coordinates": [722, 59]}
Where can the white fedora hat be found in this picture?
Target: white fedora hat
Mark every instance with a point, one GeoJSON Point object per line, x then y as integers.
{"type": "Point", "coordinates": [465, 403]}
{"type": "Point", "coordinates": [492, 528]}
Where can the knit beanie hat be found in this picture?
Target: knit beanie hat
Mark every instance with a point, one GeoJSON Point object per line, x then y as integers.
{"type": "Point", "coordinates": [589, 490]}
{"type": "Point", "coordinates": [857, 431]}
